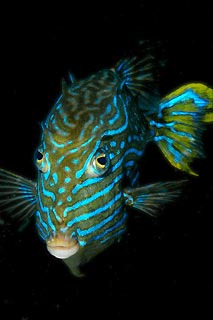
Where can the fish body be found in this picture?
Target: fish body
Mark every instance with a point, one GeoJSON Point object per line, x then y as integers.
{"type": "Point", "coordinates": [87, 159]}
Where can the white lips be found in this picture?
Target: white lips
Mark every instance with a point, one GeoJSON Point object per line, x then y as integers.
{"type": "Point", "coordinates": [62, 252]}
{"type": "Point", "coordinates": [62, 247]}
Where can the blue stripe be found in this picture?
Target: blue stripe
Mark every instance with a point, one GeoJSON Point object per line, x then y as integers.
{"type": "Point", "coordinates": [99, 210]}
{"type": "Point", "coordinates": [64, 117]}
{"type": "Point", "coordinates": [58, 218]}
{"type": "Point", "coordinates": [129, 163]}
{"type": "Point", "coordinates": [107, 111]}
{"type": "Point", "coordinates": [121, 128]}
{"type": "Point", "coordinates": [44, 225]}
{"type": "Point", "coordinates": [86, 183]}
{"type": "Point", "coordinates": [172, 124]}
{"type": "Point", "coordinates": [45, 192]}
{"type": "Point", "coordinates": [99, 225]}
{"type": "Point", "coordinates": [41, 231]}
{"type": "Point", "coordinates": [187, 95]}
{"type": "Point", "coordinates": [80, 172]}
{"type": "Point", "coordinates": [114, 235]}
{"type": "Point", "coordinates": [116, 166]}
{"type": "Point", "coordinates": [45, 209]}
{"type": "Point", "coordinates": [46, 174]}
{"type": "Point", "coordinates": [131, 150]}
{"type": "Point", "coordinates": [59, 131]}
{"type": "Point", "coordinates": [74, 150]}
{"type": "Point", "coordinates": [117, 114]}
{"type": "Point", "coordinates": [114, 227]}
{"type": "Point", "coordinates": [94, 197]}
{"type": "Point", "coordinates": [55, 177]}
{"type": "Point", "coordinates": [134, 150]}
{"type": "Point", "coordinates": [177, 155]}
{"type": "Point", "coordinates": [58, 145]}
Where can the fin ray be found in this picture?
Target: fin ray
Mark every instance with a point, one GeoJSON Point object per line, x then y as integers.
{"type": "Point", "coordinates": [138, 76]}
{"type": "Point", "coordinates": [151, 197]}
{"type": "Point", "coordinates": [180, 123]}
{"type": "Point", "coordinates": [17, 196]}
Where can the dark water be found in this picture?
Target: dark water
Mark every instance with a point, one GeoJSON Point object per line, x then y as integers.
{"type": "Point", "coordinates": [160, 263]}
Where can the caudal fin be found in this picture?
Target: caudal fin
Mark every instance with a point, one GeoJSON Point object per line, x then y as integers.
{"type": "Point", "coordinates": [180, 122]}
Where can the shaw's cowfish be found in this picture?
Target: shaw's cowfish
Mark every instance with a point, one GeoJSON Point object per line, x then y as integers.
{"type": "Point", "coordinates": [88, 155]}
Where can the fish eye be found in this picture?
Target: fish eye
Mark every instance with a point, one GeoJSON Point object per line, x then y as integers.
{"type": "Point", "coordinates": [99, 164]}
{"type": "Point", "coordinates": [39, 156]}
{"type": "Point", "coordinates": [101, 161]}
{"type": "Point", "coordinates": [41, 161]}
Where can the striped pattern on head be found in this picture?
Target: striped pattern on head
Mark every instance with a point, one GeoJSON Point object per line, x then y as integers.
{"type": "Point", "coordinates": [87, 148]}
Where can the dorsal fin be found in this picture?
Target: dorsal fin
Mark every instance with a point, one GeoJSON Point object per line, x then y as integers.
{"type": "Point", "coordinates": [138, 76]}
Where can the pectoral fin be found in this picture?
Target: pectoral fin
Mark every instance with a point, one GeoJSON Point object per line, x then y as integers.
{"type": "Point", "coordinates": [151, 197]}
{"type": "Point", "coordinates": [17, 198]}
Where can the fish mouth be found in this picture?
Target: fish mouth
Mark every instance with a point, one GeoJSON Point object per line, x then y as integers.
{"type": "Point", "coordinates": [62, 247]}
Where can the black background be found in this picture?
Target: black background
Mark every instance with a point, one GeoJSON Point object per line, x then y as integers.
{"type": "Point", "coordinates": [162, 266]}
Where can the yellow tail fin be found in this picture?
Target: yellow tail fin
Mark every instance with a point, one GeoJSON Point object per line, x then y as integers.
{"type": "Point", "coordinates": [180, 122]}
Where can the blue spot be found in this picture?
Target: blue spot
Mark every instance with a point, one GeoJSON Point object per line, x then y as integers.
{"type": "Point", "coordinates": [69, 199]}
{"type": "Point", "coordinates": [113, 144]}
{"type": "Point", "coordinates": [61, 190]}
{"type": "Point", "coordinates": [122, 144]}
{"type": "Point", "coordinates": [75, 161]}
{"type": "Point", "coordinates": [67, 180]}
{"type": "Point", "coordinates": [82, 243]}
{"type": "Point", "coordinates": [95, 128]}
{"type": "Point", "coordinates": [67, 169]}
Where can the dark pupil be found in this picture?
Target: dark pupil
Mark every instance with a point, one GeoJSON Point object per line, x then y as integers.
{"type": "Point", "coordinates": [39, 155]}
{"type": "Point", "coordinates": [102, 160]}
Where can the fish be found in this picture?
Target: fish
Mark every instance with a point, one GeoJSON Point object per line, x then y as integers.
{"type": "Point", "coordinates": [88, 158]}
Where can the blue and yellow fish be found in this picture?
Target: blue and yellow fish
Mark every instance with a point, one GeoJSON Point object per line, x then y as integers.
{"type": "Point", "coordinates": [87, 159]}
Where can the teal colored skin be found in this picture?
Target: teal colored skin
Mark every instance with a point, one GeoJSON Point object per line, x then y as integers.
{"type": "Point", "coordinates": [87, 153]}
{"type": "Point", "coordinates": [87, 159]}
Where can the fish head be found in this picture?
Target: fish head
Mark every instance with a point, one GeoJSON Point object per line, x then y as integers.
{"type": "Point", "coordinates": [79, 187]}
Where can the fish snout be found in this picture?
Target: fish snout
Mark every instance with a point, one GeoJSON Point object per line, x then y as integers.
{"type": "Point", "coordinates": [62, 246]}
